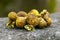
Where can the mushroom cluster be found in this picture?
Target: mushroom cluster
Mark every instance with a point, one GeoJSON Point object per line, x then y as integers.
{"type": "Point", "coordinates": [29, 20]}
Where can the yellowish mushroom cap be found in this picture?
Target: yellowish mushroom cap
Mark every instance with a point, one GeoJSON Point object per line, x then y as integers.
{"type": "Point", "coordinates": [34, 12]}
{"type": "Point", "coordinates": [12, 15]}
{"type": "Point", "coordinates": [20, 22]}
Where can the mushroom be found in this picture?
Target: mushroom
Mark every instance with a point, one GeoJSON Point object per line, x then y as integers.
{"type": "Point", "coordinates": [46, 16]}
{"type": "Point", "coordinates": [20, 22]}
{"type": "Point", "coordinates": [12, 17]}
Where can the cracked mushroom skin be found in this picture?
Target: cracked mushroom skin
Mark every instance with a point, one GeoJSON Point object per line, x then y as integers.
{"type": "Point", "coordinates": [22, 14]}
{"type": "Point", "coordinates": [32, 20]}
{"type": "Point", "coordinates": [12, 16]}
{"type": "Point", "coordinates": [46, 17]}
{"type": "Point", "coordinates": [42, 23]}
{"type": "Point", "coordinates": [20, 22]}
{"type": "Point", "coordinates": [45, 12]}
{"type": "Point", "coordinates": [48, 20]}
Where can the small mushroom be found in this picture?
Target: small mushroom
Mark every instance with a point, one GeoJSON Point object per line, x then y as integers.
{"type": "Point", "coordinates": [32, 17]}
{"type": "Point", "coordinates": [46, 16]}
{"type": "Point", "coordinates": [20, 22]}
{"type": "Point", "coordinates": [12, 17]}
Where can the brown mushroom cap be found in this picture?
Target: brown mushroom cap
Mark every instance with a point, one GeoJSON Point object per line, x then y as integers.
{"type": "Point", "coordinates": [22, 14]}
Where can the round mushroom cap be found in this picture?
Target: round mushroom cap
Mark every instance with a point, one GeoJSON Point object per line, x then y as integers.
{"type": "Point", "coordinates": [20, 22]}
{"type": "Point", "coordinates": [34, 12]}
{"type": "Point", "coordinates": [12, 15]}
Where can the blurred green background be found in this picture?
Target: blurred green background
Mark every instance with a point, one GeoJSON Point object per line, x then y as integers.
{"type": "Point", "coordinates": [26, 5]}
